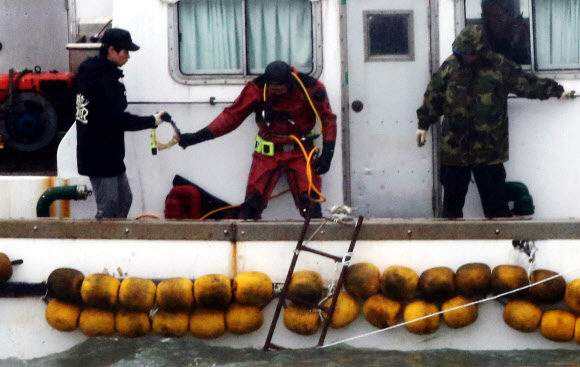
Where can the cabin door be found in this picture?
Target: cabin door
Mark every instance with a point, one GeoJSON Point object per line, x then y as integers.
{"type": "Point", "coordinates": [388, 71]}
{"type": "Point", "coordinates": [33, 33]}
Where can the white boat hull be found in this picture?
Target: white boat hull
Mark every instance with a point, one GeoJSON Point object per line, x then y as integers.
{"type": "Point", "coordinates": [24, 333]}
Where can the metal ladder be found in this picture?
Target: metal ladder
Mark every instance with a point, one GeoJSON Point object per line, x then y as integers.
{"type": "Point", "coordinates": [284, 293]}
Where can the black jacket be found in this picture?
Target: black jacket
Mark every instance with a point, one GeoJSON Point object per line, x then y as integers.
{"type": "Point", "coordinates": [101, 119]}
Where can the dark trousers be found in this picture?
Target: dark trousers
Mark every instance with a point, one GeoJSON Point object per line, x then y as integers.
{"type": "Point", "coordinates": [490, 182]}
{"type": "Point", "coordinates": [113, 196]}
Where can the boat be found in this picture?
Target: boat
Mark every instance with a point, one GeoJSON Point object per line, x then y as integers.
{"type": "Point", "coordinates": [378, 172]}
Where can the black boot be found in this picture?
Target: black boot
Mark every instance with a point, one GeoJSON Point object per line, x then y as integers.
{"type": "Point", "coordinates": [253, 207]}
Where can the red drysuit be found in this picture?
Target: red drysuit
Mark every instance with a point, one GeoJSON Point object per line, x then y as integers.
{"type": "Point", "coordinates": [290, 114]}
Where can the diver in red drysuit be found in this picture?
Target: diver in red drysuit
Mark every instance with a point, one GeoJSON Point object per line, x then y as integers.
{"type": "Point", "coordinates": [284, 110]}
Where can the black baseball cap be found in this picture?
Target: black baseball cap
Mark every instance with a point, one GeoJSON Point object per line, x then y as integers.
{"type": "Point", "coordinates": [119, 38]}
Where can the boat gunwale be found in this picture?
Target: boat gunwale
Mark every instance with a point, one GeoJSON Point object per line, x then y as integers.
{"type": "Point", "coordinates": [239, 230]}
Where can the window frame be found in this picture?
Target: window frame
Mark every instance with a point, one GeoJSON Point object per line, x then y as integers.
{"type": "Point", "coordinates": [236, 79]}
{"type": "Point", "coordinates": [553, 73]}
{"type": "Point", "coordinates": [410, 56]}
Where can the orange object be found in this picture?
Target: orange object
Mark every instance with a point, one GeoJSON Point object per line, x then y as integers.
{"type": "Point", "coordinates": [43, 82]}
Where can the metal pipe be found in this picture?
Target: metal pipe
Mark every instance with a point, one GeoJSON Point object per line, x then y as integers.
{"type": "Point", "coordinates": [79, 192]}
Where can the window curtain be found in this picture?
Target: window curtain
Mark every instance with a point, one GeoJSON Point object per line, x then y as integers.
{"type": "Point", "coordinates": [210, 36]}
{"type": "Point", "coordinates": [558, 33]}
{"type": "Point", "coordinates": [279, 30]}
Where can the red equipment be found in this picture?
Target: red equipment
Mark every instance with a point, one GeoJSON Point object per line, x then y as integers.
{"type": "Point", "coordinates": [34, 105]}
{"type": "Point", "coordinates": [183, 202]}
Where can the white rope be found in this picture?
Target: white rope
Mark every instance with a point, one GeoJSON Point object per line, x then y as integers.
{"type": "Point", "coordinates": [315, 232]}
{"type": "Point", "coordinates": [449, 310]}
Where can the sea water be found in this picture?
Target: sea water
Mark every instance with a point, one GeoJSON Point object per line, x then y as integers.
{"type": "Point", "coordinates": [153, 351]}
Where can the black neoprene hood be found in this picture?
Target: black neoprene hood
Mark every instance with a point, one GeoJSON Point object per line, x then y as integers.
{"type": "Point", "coordinates": [278, 72]}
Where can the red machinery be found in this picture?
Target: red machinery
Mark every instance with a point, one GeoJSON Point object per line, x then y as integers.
{"type": "Point", "coordinates": [34, 105]}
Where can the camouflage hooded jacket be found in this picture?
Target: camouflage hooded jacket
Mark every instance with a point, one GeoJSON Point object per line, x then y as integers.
{"type": "Point", "coordinates": [473, 100]}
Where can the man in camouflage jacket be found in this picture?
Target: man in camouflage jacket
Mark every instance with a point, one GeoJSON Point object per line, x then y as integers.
{"type": "Point", "coordinates": [470, 90]}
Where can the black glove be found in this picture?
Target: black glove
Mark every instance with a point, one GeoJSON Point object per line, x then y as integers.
{"type": "Point", "coordinates": [322, 164]}
{"type": "Point", "coordinates": [557, 91]}
{"type": "Point", "coordinates": [200, 136]}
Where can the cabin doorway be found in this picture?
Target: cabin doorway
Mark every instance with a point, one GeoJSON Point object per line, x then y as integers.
{"type": "Point", "coordinates": [388, 70]}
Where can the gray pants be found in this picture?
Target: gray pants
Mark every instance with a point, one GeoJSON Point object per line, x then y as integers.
{"type": "Point", "coordinates": [113, 196]}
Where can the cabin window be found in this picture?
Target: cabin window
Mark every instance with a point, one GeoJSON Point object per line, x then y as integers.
{"type": "Point", "coordinates": [543, 35]}
{"type": "Point", "coordinates": [388, 35]}
{"type": "Point", "coordinates": [231, 39]}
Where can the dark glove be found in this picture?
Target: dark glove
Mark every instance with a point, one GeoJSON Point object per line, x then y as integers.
{"type": "Point", "coordinates": [200, 136]}
{"type": "Point", "coordinates": [557, 91]}
{"type": "Point", "coordinates": [322, 164]}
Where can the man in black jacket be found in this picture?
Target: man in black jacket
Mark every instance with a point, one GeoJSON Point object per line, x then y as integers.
{"type": "Point", "coordinates": [101, 122]}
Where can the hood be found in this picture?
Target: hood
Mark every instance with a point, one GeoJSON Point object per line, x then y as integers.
{"type": "Point", "coordinates": [471, 41]}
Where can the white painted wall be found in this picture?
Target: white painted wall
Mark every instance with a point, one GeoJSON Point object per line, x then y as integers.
{"type": "Point", "coordinates": [92, 8]}
{"type": "Point", "coordinates": [542, 150]}
{"type": "Point", "coordinates": [220, 166]}
{"type": "Point", "coordinates": [33, 33]}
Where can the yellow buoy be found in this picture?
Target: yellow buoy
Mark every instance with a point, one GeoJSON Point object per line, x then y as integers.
{"type": "Point", "coordinates": [437, 284]}
{"type": "Point", "coordinates": [132, 324]}
{"type": "Point", "coordinates": [522, 315]}
{"type": "Point", "coordinates": [171, 324]}
{"type": "Point", "coordinates": [363, 280]}
{"type": "Point", "coordinates": [505, 278]}
{"type": "Point", "coordinates": [346, 310]}
{"type": "Point", "coordinates": [380, 311]}
{"type": "Point", "coordinates": [97, 322]}
{"type": "Point", "coordinates": [572, 295]}
{"type": "Point", "coordinates": [214, 290]}
{"type": "Point", "coordinates": [100, 290]}
{"type": "Point", "coordinates": [242, 319]}
{"type": "Point", "coordinates": [252, 288]}
{"type": "Point", "coordinates": [399, 283]}
{"type": "Point", "coordinates": [62, 316]}
{"type": "Point", "coordinates": [175, 294]}
{"type": "Point", "coordinates": [577, 331]}
{"type": "Point", "coordinates": [206, 323]}
{"type": "Point", "coordinates": [473, 280]}
{"type": "Point", "coordinates": [301, 320]}
{"type": "Point", "coordinates": [558, 325]}
{"type": "Point", "coordinates": [5, 268]}
{"type": "Point", "coordinates": [548, 292]}
{"type": "Point", "coordinates": [306, 286]}
{"type": "Point", "coordinates": [461, 317]}
{"type": "Point", "coordinates": [417, 309]}
{"type": "Point", "coordinates": [137, 294]}
{"type": "Point", "coordinates": [65, 284]}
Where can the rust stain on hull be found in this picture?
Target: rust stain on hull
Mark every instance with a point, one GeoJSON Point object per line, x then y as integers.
{"type": "Point", "coordinates": [49, 184]}
{"type": "Point", "coordinates": [234, 258]}
{"type": "Point", "coordinates": [60, 208]}
{"type": "Point", "coordinates": [65, 204]}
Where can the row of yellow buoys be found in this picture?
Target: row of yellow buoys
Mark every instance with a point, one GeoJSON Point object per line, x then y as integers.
{"type": "Point", "coordinates": [102, 305]}
{"type": "Point", "coordinates": [555, 324]}
{"type": "Point", "coordinates": [400, 288]}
